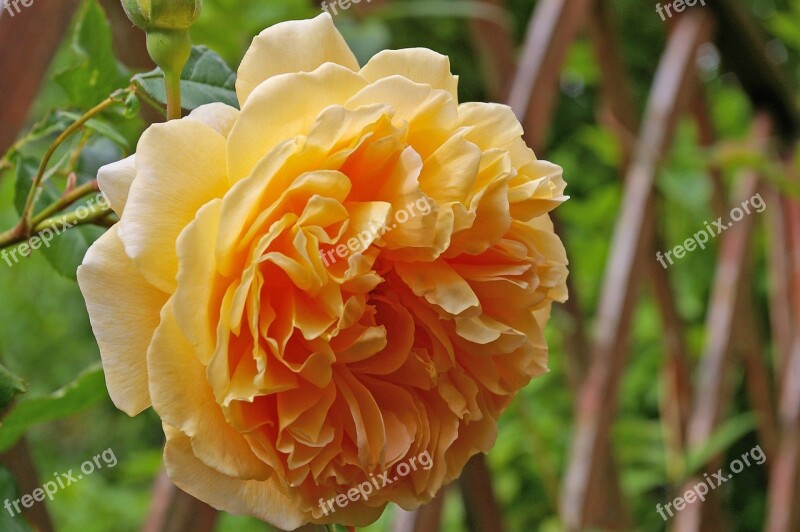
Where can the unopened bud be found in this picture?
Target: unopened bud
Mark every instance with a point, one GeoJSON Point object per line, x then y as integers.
{"type": "Point", "coordinates": [163, 14]}
{"type": "Point", "coordinates": [167, 23]}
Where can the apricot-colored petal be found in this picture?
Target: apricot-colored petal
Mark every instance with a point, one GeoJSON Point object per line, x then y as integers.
{"type": "Point", "coordinates": [168, 191]}
{"type": "Point", "coordinates": [284, 107]}
{"type": "Point", "coordinates": [183, 399]}
{"type": "Point", "coordinates": [217, 116]}
{"type": "Point", "coordinates": [370, 430]}
{"type": "Point", "coordinates": [417, 64]}
{"type": "Point", "coordinates": [424, 108]}
{"type": "Point", "coordinates": [196, 300]}
{"type": "Point", "coordinates": [292, 46]}
{"type": "Point", "coordinates": [124, 312]}
{"type": "Point", "coordinates": [449, 174]}
{"type": "Point", "coordinates": [115, 181]}
{"type": "Point", "coordinates": [440, 285]}
{"type": "Point", "coordinates": [492, 125]}
{"type": "Point", "coordinates": [259, 498]}
{"type": "Point", "coordinates": [537, 190]}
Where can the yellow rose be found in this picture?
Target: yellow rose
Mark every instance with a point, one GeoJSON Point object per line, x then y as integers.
{"type": "Point", "coordinates": [350, 273]}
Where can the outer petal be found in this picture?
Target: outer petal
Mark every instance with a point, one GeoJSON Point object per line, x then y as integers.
{"type": "Point", "coordinates": [195, 298]}
{"type": "Point", "coordinates": [261, 499]}
{"type": "Point", "coordinates": [417, 64]}
{"type": "Point", "coordinates": [115, 181]}
{"type": "Point", "coordinates": [284, 107]}
{"type": "Point", "coordinates": [218, 116]}
{"type": "Point", "coordinates": [293, 46]}
{"type": "Point", "coordinates": [492, 125]}
{"type": "Point", "coordinates": [183, 399]}
{"type": "Point", "coordinates": [180, 166]}
{"type": "Point", "coordinates": [124, 312]}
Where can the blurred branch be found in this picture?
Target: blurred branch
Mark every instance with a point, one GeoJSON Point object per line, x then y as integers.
{"type": "Point", "coordinates": [783, 514]}
{"type": "Point", "coordinates": [423, 519]}
{"type": "Point", "coordinates": [483, 511]}
{"type": "Point", "coordinates": [713, 390]}
{"type": "Point", "coordinates": [436, 8]}
{"type": "Point", "coordinates": [19, 462]}
{"type": "Point", "coordinates": [27, 52]}
{"type": "Point", "coordinates": [174, 510]}
{"type": "Point", "coordinates": [495, 46]}
{"type": "Point", "coordinates": [632, 237]}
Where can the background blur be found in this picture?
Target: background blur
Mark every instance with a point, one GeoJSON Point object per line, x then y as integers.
{"type": "Point", "coordinates": [657, 374]}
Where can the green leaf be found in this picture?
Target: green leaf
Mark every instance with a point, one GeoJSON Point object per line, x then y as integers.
{"type": "Point", "coordinates": [67, 247]}
{"type": "Point", "coordinates": [102, 127]}
{"type": "Point", "coordinates": [92, 72]}
{"type": "Point", "coordinates": [86, 391]}
{"type": "Point", "coordinates": [205, 79]}
{"type": "Point", "coordinates": [10, 387]}
{"type": "Point", "coordinates": [26, 169]}
{"type": "Point", "coordinates": [9, 492]}
{"type": "Point", "coordinates": [49, 126]}
{"type": "Point", "coordinates": [66, 251]}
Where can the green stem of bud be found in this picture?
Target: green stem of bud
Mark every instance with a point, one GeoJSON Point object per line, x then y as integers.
{"type": "Point", "coordinates": [170, 49]}
{"type": "Point", "coordinates": [173, 84]}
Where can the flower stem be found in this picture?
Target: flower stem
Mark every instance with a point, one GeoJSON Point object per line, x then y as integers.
{"type": "Point", "coordinates": [173, 85]}
{"type": "Point", "coordinates": [66, 200]}
{"type": "Point", "coordinates": [95, 214]}
{"type": "Point", "coordinates": [72, 219]}
{"type": "Point", "coordinates": [170, 50]}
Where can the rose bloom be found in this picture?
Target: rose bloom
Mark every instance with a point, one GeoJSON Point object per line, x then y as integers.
{"type": "Point", "coordinates": [288, 364]}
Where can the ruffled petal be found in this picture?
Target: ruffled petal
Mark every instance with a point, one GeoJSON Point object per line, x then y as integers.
{"type": "Point", "coordinates": [183, 399]}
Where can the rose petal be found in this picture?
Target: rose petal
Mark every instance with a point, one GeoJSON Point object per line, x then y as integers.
{"type": "Point", "coordinates": [440, 285]}
{"type": "Point", "coordinates": [417, 64]}
{"type": "Point", "coordinates": [260, 499]}
{"type": "Point", "coordinates": [284, 107]}
{"type": "Point", "coordinates": [183, 399]}
{"type": "Point", "coordinates": [124, 312]}
{"type": "Point", "coordinates": [218, 116]}
{"type": "Point", "coordinates": [115, 182]}
{"type": "Point", "coordinates": [292, 46]}
{"type": "Point", "coordinates": [168, 191]}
